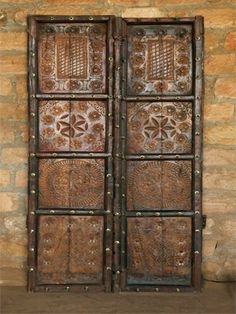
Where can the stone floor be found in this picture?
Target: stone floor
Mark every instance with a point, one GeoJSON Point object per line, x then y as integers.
{"type": "Point", "coordinates": [215, 298]}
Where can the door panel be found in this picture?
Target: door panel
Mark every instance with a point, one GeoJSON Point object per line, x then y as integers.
{"type": "Point", "coordinates": [71, 183]}
{"type": "Point", "coordinates": [159, 185]}
{"type": "Point", "coordinates": [70, 250]}
{"type": "Point", "coordinates": [159, 251]}
{"type": "Point", "coordinates": [159, 59]}
{"type": "Point", "coordinates": [157, 127]}
{"type": "Point", "coordinates": [71, 57]}
{"type": "Point", "coordinates": [72, 125]}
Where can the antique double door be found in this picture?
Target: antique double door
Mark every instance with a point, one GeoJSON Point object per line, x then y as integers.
{"type": "Point", "coordinates": [115, 110]}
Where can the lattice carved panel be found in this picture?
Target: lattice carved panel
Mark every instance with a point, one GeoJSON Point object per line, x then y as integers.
{"type": "Point", "coordinates": [159, 250]}
{"type": "Point", "coordinates": [72, 58]}
{"type": "Point", "coordinates": [72, 125]}
{"type": "Point", "coordinates": [70, 249]}
{"type": "Point", "coordinates": [159, 60]}
{"type": "Point", "coordinates": [72, 183]}
{"type": "Point", "coordinates": [159, 185]}
{"type": "Point", "coordinates": [155, 127]}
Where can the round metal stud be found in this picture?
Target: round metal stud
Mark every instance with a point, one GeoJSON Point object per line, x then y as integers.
{"type": "Point", "coordinates": [117, 272]}
{"type": "Point", "coordinates": [67, 288]}
{"type": "Point", "coordinates": [32, 114]}
{"type": "Point", "coordinates": [46, 289]}
{"type": "Point", "coordinates": [32, 231]}
{"type": "Point", "coordinates": [196, 252]}
{"type": "Point", "coordinates": [108, 175]}
{"type": "Point", "coordinates": [109, 114]}
{"type": "Point", "coordinates": [138, 214]}
{"type": "Point", "coordinates": [117, 242]}
{"type": "Point", "coordinates": [137, 290]}
{"type": "Point", "coordinates": [33, 174]}
{"type": "Point", "coordinates": [72, 211]}
{"type": "Point", "coordinates": [33, 74]}
{"type": "Point", "coordinates": [158, 214]}
{"type": "Point", "coordinates": [197, 192]}
{"type": "Point", "coordinates": [197, 230]}
{"type": "Point", "coordinates": [157, 289]}
{"type": "Point", "coordinates": [51, 18]}
{"type": "Point", "coordinates": [197, 156]}
{"type": "Point", "coordinates": [32, 213]}
{"type": "Point", "coordinates": [108, 211]}
{"type": "Point", "coordinates": [54, 154]}
{"type": "Point", "coordinates": [123, 195]}
{"type": "Point", "coordinates": [32, 191]}
{"type": "Point", "coordinates": [117, 214]}
{"type": "Point", "coordinates": [31, 249]}
{"type": "Point", "coordinates": [74, 154]}
{"type": "Point", "coordinates": [31, 269]}
{"type": "Point", "coordinates": [108, 230]}
{"type": "Point", "coordinates": [197, 172]}
{"type": "Point", "coordinates": [141, 157]}
{"type": "Point", "coordinates": [108, 249]}
{"type": "Point", "coordinates": [52, 211]}
{"type": "Point", "coordinates": [32, 54]}
{"type": "Point", "coordinates": [108, 193]}
{"type": "Point", "coordinates": [198, 59]}
{"type": "Point", "coordinates": [198, 38]}
{"type": "Point", "coordinates": [33, 137]}
{"type": "Point", "coordinates": [197, 115]}
{"type": "Point", "coordinates": [90, 18]}
{"type": "Point", "coordinates": [86, 288]}
{"type": "Point", "coordinates": [108, 268]}
{"type": "Point", "coordinates": [178, 290]}
{"type": "Point", "coordinates": [91, 212]}
{"type": "Point", "coordinates": [198, 97]}
{"type": "Point", "coordinates": [71, 18]}
{"type": "Point", "coordinates": [197, 133]}
{"type": "Point", "coordinates": [197, 212]}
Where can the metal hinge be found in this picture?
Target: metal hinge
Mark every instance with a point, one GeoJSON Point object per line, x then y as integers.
{"type": "Point", "coordinates": [204, 218]}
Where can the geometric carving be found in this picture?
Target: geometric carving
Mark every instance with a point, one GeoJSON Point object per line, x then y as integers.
{"type": "Point", "coordinates": [159, 251]}
{"type": "Point", "coordinates": [70, 249]}
{"type": "Point", "coordinates": [160, 60]}
{"type": "Point", "coordinates": [159, 127]}
{"type": "Point", "coordinates": [159, 185]}
{"type": "Point", "coordinates": [76, 183]}
{"type": "Point", "coordinates": [72, 59]}
{"type": "Point", "coordinates": [72, 126]}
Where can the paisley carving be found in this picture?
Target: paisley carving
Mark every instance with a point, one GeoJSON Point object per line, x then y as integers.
{"type": "Point", "coordinates": [159, 185]}
{"type": "Point", "coordinates": [76, 183]}
{"type": "Point", "coordinates": [159, 127]}
{"type": "Point", "coordinates": [159, 250]}
{"type": "Point", "coordinates": [159, 60]}
{"type": "Point", "coordinates": [70, 249]}
{"type": "Point", "coordinates": [72, 58]}
{"type": "Point", "coordinates": [72, 125]}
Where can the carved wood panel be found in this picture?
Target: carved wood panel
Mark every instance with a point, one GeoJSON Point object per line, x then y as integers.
{"type": "Point", "coordinates": [70, 250]}
{"type": "Point", "coordinates": [159, 59]}
{"type": "Point", "coordinates": [159, 251]}
{"type": "Point", "coordinates": [72, 183]}
{"type": "Point", "coordinates": [159, 185]}
{"type": "Point", "coordinates": [157, 127]}
{"type": "Point", "coordinates": [72, 57]}
{"type": "Point", "coordinates": [72, 125]}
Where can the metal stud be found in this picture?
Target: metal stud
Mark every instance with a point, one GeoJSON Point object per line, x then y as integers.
{"type": "Point", "coordinates": [74, 154]}
{"type": "Point", "coordinates": [197, 172]}
{"type": "Point", "coordinates": [32, 136]}
{"type": "Point", "coordinates": [86, 288]}
{"type": "Point", "coordinates": [117, 242]}
{"type": "Point", "coordinates": [158, 214]}
{"type": "Point", "coordinates": [90, 18]}
{"type": "Point", "coordinates": [197, 133]}
{"type": "Point", "coordinates": [52, 211]}
{"type": "Point", "coordinates": [108, 211]}
{"type": "Point", "coordinates": [157, 289]}
{"type": "Point", "coordinates": [117, 214]}
{"type": "Point", "coordinates": [32, 213]}
{"type": "Point", "coordinates": [32, 114]}
{"type": "Point", "coordinates": [141, 157]}
{"type": "Point", "coordinates": [117, 272]}
{"type": "Point", "coordinates": [197, 115]}
{"type": "Point", "coordinates": [32, 231]}
{"type": "Point", "coordinates": [33, 74]}
{"type": "Point", "coordinates": [31, 269]}
{"type": "Point", "coordinates": [137, 290]}
{"type": "Point", "coordinates": [109, 114]}
{"type": "Point", "coordinates": [197, 212]}
{"type": "Point", "coordinates": [138, 214]}
{"type": "Point", "coordinates": [71, 18]}
{"type": "Point", "coordinates": [108, 230]}
{"type": "Point", "coordinates": [108, 175]}
{"type": "Point", "coordinates": [178, 290]}
{"type": "Point", "coordinates": [33, 96]}
{"type": "Point", "coordinates": [54, 154]}
{"type": "Point", "coordinates": [108, 193]}
{"type": "Point", "coordinates": [198, 97]}
{"type": "Point", "coordinates": [32, 191]}
{"type": "Point", "coordinates": [197, 192]}
{"type": "Point", "coordinates": [32, 54]}
{"type": "Point", "coordinates": [46, 289]}
{"type": "Point", "coordinates": [123, 195]}
{"type": "Point", "coordinates": [123, 178]}
{"type": "Point", "coordinates": [72, 211]}
{"type": "Point", "coordinates": [31, 249]}
{"type": "Point", "coordinates": [197, 230]}
{"type": "Point", "coordinates": [180, 213]}
{"type": "Point", "coordinates": [196, 252]}
{"type": "Point", "coordinates": [67, 288]}
{"type": "Point", "coordinates": [33, 174]}
{"type": "Point", "coordinates": [91, 212]}
{"type": "Point", "coordinates": [198, 38]}
{"type": "Point", "coordinates": [108, 268]}
{"type": "Point", "coordinates": [51, 18]}
{"type": "Point", "coordinates": [198, 59]}
{"type": "Point", "coordinates": [197, 156]}
{"type": "Point", "coordinates": [108, 249]}
{"type": "Point", "coordinates": [110, 58]}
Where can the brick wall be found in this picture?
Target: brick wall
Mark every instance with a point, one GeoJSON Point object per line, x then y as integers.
{"type": "Point", "coordinates": [220, 128]}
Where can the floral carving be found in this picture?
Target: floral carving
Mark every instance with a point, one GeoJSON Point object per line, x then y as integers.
{"type": "Point", "coordinates": [78, 126]}
{"type": "Point", "coordinates": [159, 127]}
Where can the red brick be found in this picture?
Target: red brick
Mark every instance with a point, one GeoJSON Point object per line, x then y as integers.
{"type": "Point", "coordinates": [226, 87]}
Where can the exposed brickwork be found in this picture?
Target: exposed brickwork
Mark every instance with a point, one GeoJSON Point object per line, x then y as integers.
{"type": "Point", "coordinates": [220, 129]}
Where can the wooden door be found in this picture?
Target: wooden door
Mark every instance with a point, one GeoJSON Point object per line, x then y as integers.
{"type": "Point", "coordinates": [71, 184]}
{"type": "Point", "coordinates": [115, 153]}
